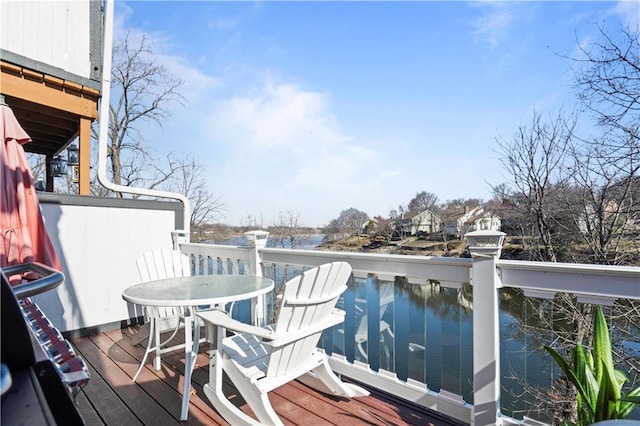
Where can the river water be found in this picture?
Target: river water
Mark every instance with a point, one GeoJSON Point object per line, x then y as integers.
{"type": "Point", "coordinates": [425, 333]}
{"type": "Point", "coordinates": [307, 242]}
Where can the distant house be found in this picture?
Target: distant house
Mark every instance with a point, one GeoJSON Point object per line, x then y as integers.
{"type": "Point", "coordinates": [625, 219]}
{"type": "Point", "coordinates": [413, 223]}
{"type": "Point", "coordinates": [476, 219]}
{"type": "Point", "coordinates": [369, 227]}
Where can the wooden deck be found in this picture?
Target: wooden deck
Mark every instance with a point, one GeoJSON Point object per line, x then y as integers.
{"type": "Point", "coordinates": [111, 398]}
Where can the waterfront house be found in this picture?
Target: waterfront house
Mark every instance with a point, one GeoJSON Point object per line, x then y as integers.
{"type": "Point", "coordinates": [413, 223]}
{"type": "Point", "coordinates": [475, 219]}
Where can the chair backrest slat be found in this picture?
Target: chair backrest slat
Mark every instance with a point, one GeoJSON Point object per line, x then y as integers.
{"type": "Point", "coordinates": [159, 264]}
{"type": "Point", "coordinates": [310, 304]}
{"type": "Point", "coordinates": [163, 263]}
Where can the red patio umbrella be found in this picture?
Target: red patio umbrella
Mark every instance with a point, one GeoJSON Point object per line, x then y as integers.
{"type": "Point", "coordinates": [24, 236]}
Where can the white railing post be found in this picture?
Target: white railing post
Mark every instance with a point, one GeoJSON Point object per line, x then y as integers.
{"type": "Point", "coordinates": [179, 236]}
{"type": "Point", "coordinates": [485, 247]}
{"type": "Point", "coordinates": [257, 240]}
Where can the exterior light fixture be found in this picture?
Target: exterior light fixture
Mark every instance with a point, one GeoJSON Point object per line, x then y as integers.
{"type": "Point", "coordinates": [485, 243]}
{"type": "Point", "coordinates": [72, 155]}
{"type": "Point", "coordinates": [58, 166]}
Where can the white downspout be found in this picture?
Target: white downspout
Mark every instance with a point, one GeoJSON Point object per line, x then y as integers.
{"type": "Point", "coordinates": [104, 128]}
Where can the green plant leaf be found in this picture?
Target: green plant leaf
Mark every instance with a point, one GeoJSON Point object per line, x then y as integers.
{"type": "Point", "coordinates": [607, 403]}
{"type": "Point", "coordinates": [590, 360]}
{"type": "Point", "coordinates": [602, 348]}
{"type": "Point", "coordinates": [621, 378]}
{"type": "Point", "coordinates": [584, 374]}
{"type": "Point", "coordinates": [568, 370]}
{"type": "Point", "coordinates": [633, 399]}
{"type": "Point", "coordinates": [593, 388]}
{"type": "Point", "coordinates": [598, 384]}
{"type": "Point", "coordinates": [628, 402]}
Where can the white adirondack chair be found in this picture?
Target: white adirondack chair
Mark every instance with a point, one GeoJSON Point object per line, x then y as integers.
{"type": "Point", "coordinates": [260, 359]}
{"type": "Point", "coordinates": [156, 265]}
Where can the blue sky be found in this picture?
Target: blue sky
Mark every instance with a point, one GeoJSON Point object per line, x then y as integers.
{"type": "Point", "coordinates": [316, 107]}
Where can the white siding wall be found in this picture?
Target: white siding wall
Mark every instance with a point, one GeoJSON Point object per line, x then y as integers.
{"type": "Point", "coordinates": [98, 248]}
{"type": "Point", "coordinates": [52, 32]}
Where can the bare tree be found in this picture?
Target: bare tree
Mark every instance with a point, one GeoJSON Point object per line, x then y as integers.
{"type": "Point", "coordinates": [600, 189]}
{"type": "Point", "coordinates": [604, 201]}
{"type": "Point", "coordinates": [143, 90]}
{"type": "Point", "coordinates": [461, 204]}
{"type": "Point", "coordinates": [606, 168]}
{"type": "Point", "coordinates": [399, 212]}
{"type": "Point", "coordinates": [423, 201]}
{"type": "Point", "coordinates": [351, 220]}
{"type": "Point", "coordinates": [348, 223]}
{"type": "Point", "coordinates": [608, 78]}
{"type": "Point", "coordinates": [37, 165]}
{"type": "Point", "coordinates": [187, 178]}
{"type": "Point", "coordinates": [288, 230]}
{"type": "Point", "coordinates": [535, 159]}
{"type": "Point", "coordinates": [252, 222]}
{"type": "Point", "coordinates": [384, 228]}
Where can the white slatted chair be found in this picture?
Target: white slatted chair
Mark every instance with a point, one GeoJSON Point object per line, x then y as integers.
{"type": "Point", "coordinates": [156, 265]}
{"type": "Point", "coordinates": [258, 360]}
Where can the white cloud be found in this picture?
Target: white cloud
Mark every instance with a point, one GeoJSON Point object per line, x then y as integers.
{"type": "Point", "coordinates": [629, 10]}
{"type": "Point", "coordinates": [278, 116]}
{"type": "Point", "coordinates": [196, 84]}
{"type": "Point", "coordinates": [493, 27]}
{"type": "Point", "coordinates": [122, 14]}
{"type": "Point", "coordinates": [270, 145]}
{"type": "Point", "coordinates": [283, 150]}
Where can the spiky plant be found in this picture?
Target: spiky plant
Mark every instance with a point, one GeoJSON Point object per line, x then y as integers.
{"type": "Point", "coordinates": [598, 384]}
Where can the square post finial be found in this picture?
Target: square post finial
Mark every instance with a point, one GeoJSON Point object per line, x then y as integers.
{"type": "Point", "coordinates": [257, 238]}
{"type": "Point", "coordinates": [485, 243]}
{"type": "Point", "coordinates": [179, 236]}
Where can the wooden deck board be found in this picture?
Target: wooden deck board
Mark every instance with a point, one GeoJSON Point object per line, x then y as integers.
{"type": "Point", "coordinates": [112, 398]}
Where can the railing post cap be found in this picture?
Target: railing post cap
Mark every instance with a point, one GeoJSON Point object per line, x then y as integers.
{"type": "Point", "coordinates": [485, 243]}
{"type": "Point", "coordinates": [257, 238]}
{"type": "Point", "coordinates": [179, 236]}
{"type": "Point", "coordinates": [256, 235]}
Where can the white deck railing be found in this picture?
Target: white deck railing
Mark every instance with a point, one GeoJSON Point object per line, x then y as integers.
{"type": "Point", "coordinates": [462, 363]}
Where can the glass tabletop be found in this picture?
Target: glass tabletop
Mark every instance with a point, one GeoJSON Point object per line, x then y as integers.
{"type": "Point", "coordinates": [197, 290]}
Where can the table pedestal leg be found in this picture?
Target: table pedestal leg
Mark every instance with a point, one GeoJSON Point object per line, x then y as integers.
{"type": "Point", "coordinates": [215, 364]}
{"type": "Point", "coordinates": [156, 342]}
{"type": "Point", "coordinates": [191, 343]}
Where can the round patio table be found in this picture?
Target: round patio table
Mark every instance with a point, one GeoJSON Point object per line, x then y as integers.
{"type": "Point", "coordinates": [189, 293]}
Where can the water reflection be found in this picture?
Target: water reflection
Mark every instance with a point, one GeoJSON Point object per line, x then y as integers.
{"type": "Point", "coordinates": [424, 332]}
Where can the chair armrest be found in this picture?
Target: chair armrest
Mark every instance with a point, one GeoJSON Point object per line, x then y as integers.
{"type": "Point", "coordinates": [334, 318]}
{"type": "Point", "coordinates": [221, 319]}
